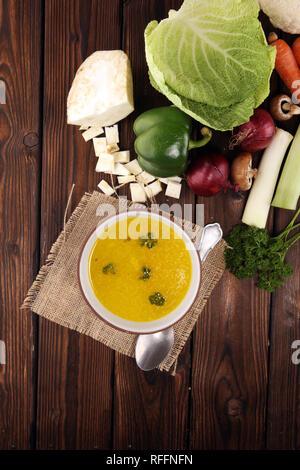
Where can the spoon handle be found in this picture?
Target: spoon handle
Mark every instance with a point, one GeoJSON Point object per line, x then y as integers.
{"type": "Point", "coordinates": [211, 235]}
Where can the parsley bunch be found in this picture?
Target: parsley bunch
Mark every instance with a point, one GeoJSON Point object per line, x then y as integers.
{"type": "Point", "coordinates": [252, 251]}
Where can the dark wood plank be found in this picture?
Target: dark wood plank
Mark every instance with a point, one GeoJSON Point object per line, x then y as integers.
{"type": "Point", "coordinates": [20, 53]}
{"type": "Point", "coordinates": [230, 348]}
{"type": "Point", "coordinates": [283, 426]}
{"type": "Point", "coordinates": [74, 387]}
{"type": "Point", "coordinates": [150, 409]}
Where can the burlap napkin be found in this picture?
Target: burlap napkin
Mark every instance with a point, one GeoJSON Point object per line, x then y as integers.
{"type": "Point", "coordinates": [55, 293]}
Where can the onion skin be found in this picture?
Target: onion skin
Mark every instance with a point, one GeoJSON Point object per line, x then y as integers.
{"type": "Point", "coordinates": [208, 174]}
{"type": "Point", "coordinates": [256, 134]}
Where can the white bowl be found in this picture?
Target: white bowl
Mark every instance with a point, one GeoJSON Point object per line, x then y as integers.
{"type": "Point", "coordinates": [128, 325]}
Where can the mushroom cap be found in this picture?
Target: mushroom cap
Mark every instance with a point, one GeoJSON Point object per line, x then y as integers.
{"type": "Point", "coordinates": [282, 108]}
{"type": "Point", "coordinates": [242, 172]}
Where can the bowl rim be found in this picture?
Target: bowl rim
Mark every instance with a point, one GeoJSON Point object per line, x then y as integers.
{"type": "Point", "coordinates": [105, 219]}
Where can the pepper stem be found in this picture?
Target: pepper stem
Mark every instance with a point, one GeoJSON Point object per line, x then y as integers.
{"type": "Point", "coordinates": [206, 133]}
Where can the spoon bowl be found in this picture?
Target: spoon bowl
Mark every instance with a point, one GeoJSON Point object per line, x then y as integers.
{"type": "Point", "coordinates": [151, 350]}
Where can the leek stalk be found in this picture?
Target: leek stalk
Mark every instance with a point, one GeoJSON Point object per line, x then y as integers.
{"type": "Point", "coordinates": [260, 197]}
{"type": "Point", "coordinates": [288, 190]}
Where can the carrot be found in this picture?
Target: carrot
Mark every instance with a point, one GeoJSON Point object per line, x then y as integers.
{"type": "Point", "coordinates": [296, 50]}
{"type": "Point", "coordinates": [286, 66]}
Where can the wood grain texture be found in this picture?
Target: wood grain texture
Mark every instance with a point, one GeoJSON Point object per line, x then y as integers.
{"type": "Point", "coordinates": [283, 425]}
{"type": "Point", "coordinates": [74, 385]}
{"type": "Point", "coordinates": [236, 386]}
{"type": "Point", "coordinates": [230, 354]}
{"type": "Point", "coordinates": [150, 409]}
{"type": "Point", "coordinates": [20, 54]}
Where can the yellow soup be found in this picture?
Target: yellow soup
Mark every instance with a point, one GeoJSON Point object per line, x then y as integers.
{"type": "Point", "coordinates": [140, 269]}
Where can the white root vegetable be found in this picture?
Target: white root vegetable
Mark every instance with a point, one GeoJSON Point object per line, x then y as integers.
{"type": "Point", "coordinates": [260, 197]}
{"type": "Point", "coordinates": [102, 91]}
{"type": "Point", "coordinates": [284, 14]}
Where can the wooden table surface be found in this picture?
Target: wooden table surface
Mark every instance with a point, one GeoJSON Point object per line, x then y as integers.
{"type": "Point", "coordinates": [236, 386]}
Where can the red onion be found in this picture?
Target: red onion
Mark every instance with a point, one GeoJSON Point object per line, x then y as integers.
{"type": "Point", "coordinates": [208, 175]}
{"type": "Point", "coordinates": [255, 134]}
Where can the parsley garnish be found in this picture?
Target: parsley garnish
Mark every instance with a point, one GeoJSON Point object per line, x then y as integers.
{"type": "Point", "coordinates": [146, 273]}
{"type": "Point", "coordinates": [253, 252]}
{"type": "Point", "coordinates": [109, 268]}
{"type": "Point", "coordinates": [148, 240]}
{"type": "Point", "coordinates": [157, 299]}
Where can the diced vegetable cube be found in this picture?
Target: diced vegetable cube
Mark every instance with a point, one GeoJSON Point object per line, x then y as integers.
{"type": "Point", "coordinates": [164, 180]}
{"type": "Point", "coordinates": [106, 188]}
{"type": "Point", "coordinates": [134, 167]}
{"type": "Point", "coordinates": [173, 190]}
{"type": "Point", "coordinates": [99, 145]}
{"type": "Point", "coordinates": [126, 179]}
{"type": "Point", "coordinates": [137, 192]}
{"type": "Point", "coordinates": [112, 134]}
{"type": "Point", "coordinates": [119, 169]}
{"type": "Point", "coordinates": [175, 179]}
{"type": "Point", "coordinates": [92, 132]}
{"type": "Point", "coordinates": [153, 189]}
{"type": "Point", "coordinates": [105, 163]}
{"type": "Point", "coordinates": [112, 148]}
{"type": "Point", "coordinates": [145, 177]}
{"type": "Point", "coordinates": [123, 156]}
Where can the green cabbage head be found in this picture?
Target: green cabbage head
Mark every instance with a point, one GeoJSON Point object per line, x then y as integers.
{"type": "Point", "coordinates": [211, 59]}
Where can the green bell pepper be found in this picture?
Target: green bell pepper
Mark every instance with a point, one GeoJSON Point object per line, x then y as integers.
{"type": "Point", "coordinates": [163, 141]}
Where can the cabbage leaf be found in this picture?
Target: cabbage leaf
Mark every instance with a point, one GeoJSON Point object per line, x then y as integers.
{"type": "Point", "coordinates": [211, 59]}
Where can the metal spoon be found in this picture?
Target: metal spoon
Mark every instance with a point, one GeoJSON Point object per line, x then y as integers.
{"type": "Point", "coordinates": [151, 350]}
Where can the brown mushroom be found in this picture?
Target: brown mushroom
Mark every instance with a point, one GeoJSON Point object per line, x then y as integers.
{"type": "Point", "coordinates": [272, 37]}
{"type": "Point", "coordinates": [242, 172]}
{"type": "Point", "coordinates": [282, 108]}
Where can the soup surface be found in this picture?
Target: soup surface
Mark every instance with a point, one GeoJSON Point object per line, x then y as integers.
{"type": "Point", "coordinates": [140, 269]}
